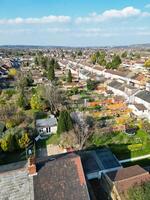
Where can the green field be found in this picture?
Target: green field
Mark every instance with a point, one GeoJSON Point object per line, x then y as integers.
{"type": "Point", "coordinates": [54, 139]}
{"type": "Point", "coordinates": [124, 146]}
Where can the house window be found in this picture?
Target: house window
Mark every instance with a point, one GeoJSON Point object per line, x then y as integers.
{"type": "Point", "coordinates": [41, 130]}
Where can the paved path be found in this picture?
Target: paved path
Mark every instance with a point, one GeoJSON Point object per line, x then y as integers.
{"type": "Point", "coordinates": [50, 150]}
{"type": "Point", "coordinates": [135, 159]}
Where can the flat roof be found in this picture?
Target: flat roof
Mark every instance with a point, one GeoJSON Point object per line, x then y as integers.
{"type": "Point", "coordinates": [98, 160]}
{"type": "Point", "coordinates": [107, 159]}
{"type": "Point", "coordinates": [89, 162]}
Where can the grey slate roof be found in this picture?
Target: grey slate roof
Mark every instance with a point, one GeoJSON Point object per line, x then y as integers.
{"type": "Point", "coordinates": [144, 95]}
{"type": "Point", "coordinates": [117, 85]}
{"type": "Point", "coordinates": [122, 86]}
{"type": "Point", "coordinates": [16, 185]}
{"type": "Point", "coordinates": [140, 107]}
{"type": "Point", "coordinates": [46, 122]}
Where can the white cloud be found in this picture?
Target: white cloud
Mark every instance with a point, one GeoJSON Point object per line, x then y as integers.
{"type": "Point", "coordinates": [42, 20]}
{"type": "Point", "coordinates": [112, 14]}
{"type": "Point", "coordinates": [143, 33]}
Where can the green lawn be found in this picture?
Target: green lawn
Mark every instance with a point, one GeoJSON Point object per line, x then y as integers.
{"type": "Point", "coordinates": [123, 146]}
{"type": "Point", "coordinates": [54, 139]}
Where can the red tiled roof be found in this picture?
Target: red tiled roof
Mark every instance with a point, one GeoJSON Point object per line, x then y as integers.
{"type": "Point", "coordinates": [126, 173]}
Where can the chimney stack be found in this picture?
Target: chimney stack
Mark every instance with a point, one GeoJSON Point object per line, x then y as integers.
{"type": "Point", "coordinates": [32, 166]}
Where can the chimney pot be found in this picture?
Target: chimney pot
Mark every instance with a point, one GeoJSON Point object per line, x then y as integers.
{"type": "Point", "coordinates": [32, 166]}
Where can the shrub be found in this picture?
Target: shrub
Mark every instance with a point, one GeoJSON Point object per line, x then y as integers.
{"type": "Point", "coordinates": [14, 139]}
{"type": "Point", "coordinates": [10, 123]}
{"type": "Point", "coordinates": [139, 192]}
{"type": "Point", "coordinates": [23, 141]}
{"type": "Point", "coordinates": [8, 143]}
{"type": "Point", "coordinates": [36, 102]}
{"type": "Point", "coordinates": [12, 72]}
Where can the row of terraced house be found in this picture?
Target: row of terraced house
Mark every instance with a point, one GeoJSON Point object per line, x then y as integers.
{"type": "Point", "coordinates": [133, 86]}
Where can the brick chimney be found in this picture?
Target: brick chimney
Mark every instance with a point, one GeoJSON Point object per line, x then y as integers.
{"type": "Point", "coordinates": [32, 166]}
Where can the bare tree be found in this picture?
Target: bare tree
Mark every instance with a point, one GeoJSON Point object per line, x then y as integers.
{"type": "Point", "coordinates": [55, 98]}
{"type": "Point", "coordinates": [7, 111]}
{"type": "Point", "coordinates": [82, 129]}
{"type": "Point", "coordinates": [69, 139]}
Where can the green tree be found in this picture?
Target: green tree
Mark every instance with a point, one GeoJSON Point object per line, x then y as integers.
{"type": "Point", "coordinates": [24, 80]}
{"type": "Point", "coordinates": [23, 141]}
{"type": "Point", "coordinates": [29, 80]}
{"type": "Point", "coordinates": [91, 85]}
{"type": "Point", "coordinates": [73, 55]}
{"type": "Point", "coordinates": [36, 61]}
{"type": "Point", "coordinates": [64, 122]}
{"type": "Point", "coordinates": [36, 102]}
{"type": "Point", "coordinates": [62, 56]}
{"type": "Point", "coordinates": [51, 73]}
{"type": "Point", "coordinates": [10, 123]}
{"type": "Point", "coordinates": [56, 65]}
{"type": "Point", "coordinates": [124, 54]}
{"type": "Point", "coordinates": [116, 61]}
{"type": "Point", "coordinates": [52, 62]}
{"type": "Point", "coordinates": [44, 62]}
{"type": "Point", "coordinates": [139, 192]}
{"type": "Point", "coordinates": [147, 63]}
{"type": "Point", "coordinates": [79, 53]}
{"type": "Point", "coordinates": [93, 59]}
{"type": "Point", "coordinates": [99, 57]}
{"type": "Point", "coordinates": [22, 101]}
{"type": "Point", "coordinates": [8, 142]}
{"type": "Point", "coordinates": [69, 78]}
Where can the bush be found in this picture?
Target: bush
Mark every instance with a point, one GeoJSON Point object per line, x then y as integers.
{"type": "Point", "coordinates": [36, 102]}
{"type": "Point", "coordinates": [68, 140]}
{"type": "Point", "coordinates": [10, 92]}
{"type": "Point", "coordinates": [10, 123]}
{"type": "Point", "coordinates": [8, 142]}
{"type": "Point", "coordinates": [139, 192]}
{"type": "Point", "coordinates": [91, 85]}
{"type": "Point", "coordinates": [23, 141]}
{"type": "Point", "coordinates": [23, 101]}
{"type": "Point", "coordinates": [12, 72]}
{"type": "Point", "coordinates": [14, 139]}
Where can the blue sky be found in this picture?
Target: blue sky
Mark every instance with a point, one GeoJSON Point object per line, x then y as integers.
{"type": "Point", "coordinates": [74, 22]}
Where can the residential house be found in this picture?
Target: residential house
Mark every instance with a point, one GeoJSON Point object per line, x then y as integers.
{"type": "Point", "coordinates": [60, 178]}
{"type": "Point", "coordinates": [143, 97]}
{"type": "Point", "coordinates": [139, 110]}
{"type": "Point", "coordinates": [121, 89]}
{"type": "Point", "coordinates": [120, 181]}
{"type": "Point", "coordinates": [46, 126]}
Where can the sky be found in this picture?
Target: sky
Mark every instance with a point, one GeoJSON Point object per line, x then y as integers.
{"type": "Point", "coordinates": [74, 22]}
